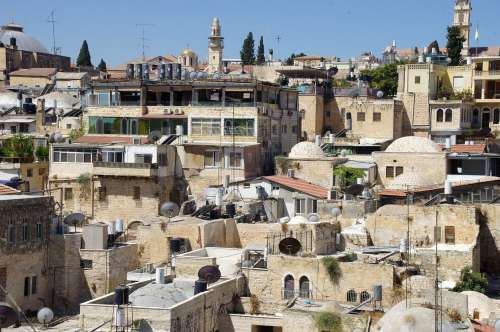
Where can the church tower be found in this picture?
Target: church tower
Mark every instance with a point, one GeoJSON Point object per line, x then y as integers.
{"type": "Point", "coordinates": [462, 19]}
{"type": "Point", "coordinates": [215, 47]}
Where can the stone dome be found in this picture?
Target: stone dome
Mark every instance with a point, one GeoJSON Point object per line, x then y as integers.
{"type": "Point", "coordinates": [410, 180]}
{"type": "Point", "coordinates": [413, 144]}
{"type": "Point", "coordinates": [306, 150]}
{"type": "Point", "coordinates": [24, 42]}
{"type": "Point", "coordinates": [61, 99]}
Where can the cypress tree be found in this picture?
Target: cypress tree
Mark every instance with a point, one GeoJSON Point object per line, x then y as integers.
{"type": "Point", "coordinates": [102, 65]}
{"type": "Point", "coordinates": [455, 45]}
{"type": "Point", "coordinates": [83, 59]}
{"type": "Point", "coordinates": [248, 50]}
{"type": "Point", "coordinates": [261, 57]}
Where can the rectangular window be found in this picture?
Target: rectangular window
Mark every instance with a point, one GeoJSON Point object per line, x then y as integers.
{"type": "Point", "coordinates": [239, 127]}
{"type": "Point", "coordinates": [377, 116]}
{"type": "Point", "coordinates": [137, 193]}
{"type": "Point", "coordinates": [39, 231]}
{"type": "Point", "coordinates": [102, 193]}
{"type": "Point", "coordinates": [86, 263]}
{"type": "Point", "coordinates": [212, 159]}
{"type": "Point", "coordinates": [389, 172]}
{"type": "Point", "coordinates": [399, 170]}
{"type": "Point", "coordinates": [143, 158]}
{"type": "Point", "coordinates": [360, 116]}
{"type": "Point", "coordinates": [458, 82]}
{"type": "Point", "coordinates": [235, 160]}
{"type": "Point", "coordinates": [29, 172]}
{"type": "Point", "coordinates": [417, 79]}
{"type": "Point", "coordinates": [103, 99]}
{"type": "Point", "coordinates": [12, 233]}
{"type": "Point", "coordinates": [25, 232]}
{"type": "Point", "coordinates": [33, 285]}
{"type": "Point", "coordinates": [314, 206]}
{"type": "Point", "coordinates": [300, 205]}
{"type": "Point", "coordinates": [68, 194]}
{"type": "Point", "coordinates": [205, 127]}
{"type": "Point", "coordinates": [27, 286]}
{"type": "Point", "coordinates": [449, 234]}
{"type": "Point", "coordinates": [246, 185]}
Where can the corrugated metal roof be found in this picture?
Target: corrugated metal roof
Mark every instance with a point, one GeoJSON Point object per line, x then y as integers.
{"type": "Point", "coordinates": [299, 185]}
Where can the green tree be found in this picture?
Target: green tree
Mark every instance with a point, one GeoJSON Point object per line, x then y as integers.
{"type": "Point", "coordinates": [471, 281]}
{"type": "Point", "coordinates": [19, 146]}
{"type": "Point", "coordinates": [289, 60]}
{"type": "Point", "coordinates": [84, 59]}
{"type": "Point", "coordinates": [348, 175]}
{"type": "Point", "coordinates": [248, 50]}
{"type": "Point", "coordinates": [455, 45]}
{"type": "Point", "coordinates": [435, 45]}
{"type": "Point", "coordinates": [42, 152]}
{"type": "Point", "coordinates": [384, 78]}
{"type": "Point", "coordinates": [261, 57]}
{"type": "Point", "coordinates": [102, 65]}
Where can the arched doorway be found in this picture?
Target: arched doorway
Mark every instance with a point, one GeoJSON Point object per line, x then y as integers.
{"type": "Point", "coordinates": [485, 118]}
{"type": "Point", "coordinates": [289, 287]}
{"type": "Point", "coordinates": [475, 118]}
{"type": "Point", "coordinates": [304, 287]}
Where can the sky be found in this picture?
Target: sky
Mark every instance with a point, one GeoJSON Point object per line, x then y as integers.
{"type": "Point", "coordinates": [342, 28]}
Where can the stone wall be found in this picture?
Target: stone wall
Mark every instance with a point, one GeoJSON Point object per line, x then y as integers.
{"type": "Point", "coordinates": [490, 238]}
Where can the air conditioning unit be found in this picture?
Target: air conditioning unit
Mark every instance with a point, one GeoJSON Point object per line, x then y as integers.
{"type": "Point", "coordinates": [166, 111]}
{"type": "Point", "coordinates": [178, 111]}
{"type": "Point", "coordinates": [136, 140]}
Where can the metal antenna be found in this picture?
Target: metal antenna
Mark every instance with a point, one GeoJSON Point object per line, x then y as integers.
{"type": "Point", "coordinates": [143, 38]}
{"type": "Point", "coordinates": [51, 19]}
{"type": "Point", "coordinates": [278, 39]}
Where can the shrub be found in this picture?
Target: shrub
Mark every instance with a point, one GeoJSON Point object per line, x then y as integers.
{"type": "Point", "coordinates": [332, 267]}
{"type": "Point", "coordinates": [471, 281]}
{"type": "Point", "coordinates": [283, 164]}
{"type": "Point", "coordinates": [328, 321]}
{"type": "Point", "coordinates": [42, 152]}
{"type": "Point", "coordinates": [254, 304]}
{"type": "Point", "coordinates": [350, 257]}
{"type": "Point", "coordinates": [348, 175]}
{"type": "Point", "coordinates": [454, 315]}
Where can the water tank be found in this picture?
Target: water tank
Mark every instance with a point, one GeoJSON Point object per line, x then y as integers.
{"type": "Point", "coordinates": [111, 228]}
{"type": "Point", "coordinates": [130, 71]}
{"type": "Point", "coordinates": [121, 295]}
{"type": "Point", "coordinates": [120, 320]}
{"type": "Point", "coordinates": [231, 210]}
{"type": "Point", "coordinates": [377, 293]}
{"type": "Point", "coordinates": [219, 196]}
{"type": "Point", "coordinates": [331, 138]}
{"type": "Point", "coordinates": [179, 130]}
{"type": "Point", "coordinates": [448, 143]}
{"type": "Point", "coordinates": [403, 246]}
{"type": "Point", "coordinates": [160, 275]}
{"type": "Point", "coordinates": [200, 286]}
{"type": "Point", "coordinates": [145, 72]}
{"type": "Point", "coordinates": [163, 71]}
{"type": "Point", "coordinates": [448, 189]}
{"type": "Point", "coordinates": [138, 72]}
{"type": "Point", "coordinates": [170, 71]}
{"type": "Point", "coordinates": [119, 226]}
{"type": "Point", "coordinates": [421, 58]}
{"type": "Point", "coordinates": [317, 140]}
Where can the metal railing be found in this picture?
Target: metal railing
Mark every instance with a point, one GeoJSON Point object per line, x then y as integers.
{"type": "Point", "coordinates": [124, 165]}
{"type": "Point", "coordinates": [487, 73]}
{"type": "Point", "coordinates": [288, 293]}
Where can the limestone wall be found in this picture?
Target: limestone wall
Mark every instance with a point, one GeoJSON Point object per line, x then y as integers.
{"type": "Point", "coordinates": [490, 237]}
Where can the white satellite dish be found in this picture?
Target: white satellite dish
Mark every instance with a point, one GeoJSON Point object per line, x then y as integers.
{"type": "Point", "coordinates": [314, 218]}
{"type": "Point", "coordinates": [45, 315]}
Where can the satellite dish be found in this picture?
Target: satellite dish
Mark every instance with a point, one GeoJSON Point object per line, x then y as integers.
{"type": "Point", "coordinates": [216, 76]}
{"type": "Point", "coordinates": [314, 217]}
{"type": "Point", "coordinates": [290, 246]}
{"type": "Point", "coordinates": [58, 138]}
{"type": "Point", "coordinates": [335, 211]}
{"type": "Point", "coordinates": [154, 136]}
{"type": "Point", "coordinates": [8, 316]}
{"type": "Point", "coordinates": [45, 315]}
{"type": "Point", "coordinates": [210, 273]}
{"type": "Point", "coordinates": [169, 209]}
{"type": "Point", "coordinates": [200, 75]}
{"type": "Point", "coordinates": [380, 94]}
{"type": "Point", "coordinates": [192, 75]}
{"type": "Point", "coordinates": [333, 71]}
{"type": "Point", "coordinates": [355, 189]}
{"type": "Point", "coordinates": [75, 219]}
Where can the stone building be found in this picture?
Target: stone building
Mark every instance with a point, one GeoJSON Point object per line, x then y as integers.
{"type": "Point", "coordinates": [19, 50]}
{"type": "Point", "coordinates": [24, 263]}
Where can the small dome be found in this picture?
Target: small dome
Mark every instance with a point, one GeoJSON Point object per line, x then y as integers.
{"type": "Point", "coordinates": [24, 42]}
{"type": "Point", "coordinates": [306, 150]}
{"type": "Point", "coordinates": [188, 52]}
{"type": "Point", "coordinates": [297, 220]}
{"type": "Point", "coordinates": [413, 144]}
{"type": "Point", "coordinates": [410, 180]}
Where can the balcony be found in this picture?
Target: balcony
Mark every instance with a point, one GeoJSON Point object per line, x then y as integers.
{"type": "Point", "coordinates": [488, 75]}
{"type": "Point", "coordinates": [125, 169]}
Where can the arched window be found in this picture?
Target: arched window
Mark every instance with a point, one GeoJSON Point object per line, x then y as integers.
{"type": "Point", "coordinates": [439, 115]}
{"type": "Point", "coordinates": [496, 116]}
{"type": "Point", "coordinates": [348, 116]}
{"type": "Point", "coordinates": [352, 296]}
{"type": "Point", "coordinates": [289, 287]}
{"type": "Point", "coordinates": [304, 289]}
{"type": "Point", "coordinates": [448, 115]}
{"type": "Point", "coordinates": [364, 296]}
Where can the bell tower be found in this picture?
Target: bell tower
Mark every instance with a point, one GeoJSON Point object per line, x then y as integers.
{"type": "Point", "coordinates": [215, 47]}
{"type": "Point", "coordinates": [462, 19]}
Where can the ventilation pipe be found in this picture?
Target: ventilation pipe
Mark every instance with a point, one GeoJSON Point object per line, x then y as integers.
{"type": "Point", "coordinates": [448, 143]}
{"type": "Point", "coordinates": [448, 192]}
{"type": "Point", "coordinates": [160, 276]}
{"type": "Point", "coordinates": [317, 140]}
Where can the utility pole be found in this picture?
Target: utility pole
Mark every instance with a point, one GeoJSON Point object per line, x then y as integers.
{"type": "Point", "coordinates": [143, 38]}
{"type": "Point", "coordinates": [51, 19]}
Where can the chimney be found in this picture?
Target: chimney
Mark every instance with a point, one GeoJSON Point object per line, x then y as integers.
{"type": "Point", "coordinates": [40, 115]}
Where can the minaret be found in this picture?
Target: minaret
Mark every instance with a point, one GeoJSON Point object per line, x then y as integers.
{"type": "Point", "coordinates": [215, 47]}
{"type": "Point", "coordinates": [462, 19]}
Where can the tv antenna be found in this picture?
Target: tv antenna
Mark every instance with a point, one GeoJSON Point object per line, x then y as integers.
{"type": "Point", "coordinates": [143, 38]}
{"type": "Point", "coordinates": [52, 20]}
{"type": "Point", "coordinates": [278, 39]}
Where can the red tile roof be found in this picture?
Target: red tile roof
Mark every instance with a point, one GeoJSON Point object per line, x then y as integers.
{"type": "Point", "coordinates": [108, 140]}
{"type": "Point", "coordinates": [299, 185]}
{"type": "Point", "coordinates": [6, 190]}
{"type": "Point", "coordinates": [463, 148]}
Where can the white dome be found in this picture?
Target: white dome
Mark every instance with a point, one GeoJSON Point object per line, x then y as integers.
{"type": "Point", "coordinates": [306, 150]}
{"type": "Point", "coordinates": [23, 41]}
{"type": "Point", "coordinates": [298, 220]}
{"type": "Point", "coordinates": [410, 180]}
{"type": "Point", "coordinates": [8, 99]}
{"type": "Point", "coordinates": [413, 144]}
{"type": "Point", "coordinates": [63, 100]}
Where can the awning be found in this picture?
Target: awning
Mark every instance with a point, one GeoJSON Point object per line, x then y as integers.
{"type": "Point", "coordinates": [17, 120]}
